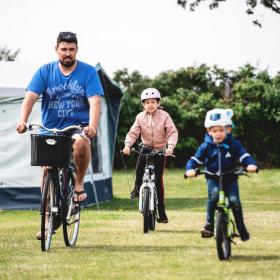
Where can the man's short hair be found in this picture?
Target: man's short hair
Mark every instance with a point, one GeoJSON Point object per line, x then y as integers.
{"type": "Point", "coordinates": [67, 37]}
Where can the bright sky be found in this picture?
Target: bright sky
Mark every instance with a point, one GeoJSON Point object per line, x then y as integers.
{"type": "Point", "coordinates": [148, 35]}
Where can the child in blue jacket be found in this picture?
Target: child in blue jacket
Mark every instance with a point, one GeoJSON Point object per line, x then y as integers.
{"type": "Point", "coordinates": [232, 151]}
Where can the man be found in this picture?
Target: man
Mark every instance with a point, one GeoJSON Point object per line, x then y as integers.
{"type": "Point", "coordinates": [70, 91]}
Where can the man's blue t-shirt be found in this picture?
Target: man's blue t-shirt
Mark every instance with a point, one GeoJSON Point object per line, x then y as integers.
{"type": "Point", "coordinates": [65, 98]}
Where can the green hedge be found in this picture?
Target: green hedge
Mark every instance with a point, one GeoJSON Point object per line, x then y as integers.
{"type": "Point", "coordinates": [188, 93]}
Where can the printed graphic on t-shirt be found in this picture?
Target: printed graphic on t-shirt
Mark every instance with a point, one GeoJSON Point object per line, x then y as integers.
{"type": "Point", "coordinates": [66, 98]}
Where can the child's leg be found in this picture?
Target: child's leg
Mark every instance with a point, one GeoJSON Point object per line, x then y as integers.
{"type": "Point", "coordinates": [213, 193]}
{"type": "Point", "coordinates": [232, 192]}
{"type": "Point", "coordinates": [213, 196]}
{"type": "Point", "coordinates": [159, 168]}
{"type": "Point", "coordinates": [235, 203]}
{"type": "Point", "coordinates": [139, 170]}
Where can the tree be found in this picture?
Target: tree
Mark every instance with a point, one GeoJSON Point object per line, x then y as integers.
{"type": "Point", "coordinates": [188, 93]}
{"type": "Point", "coordinates": [7, 54]}
{"type": "Point", "coordinates": [273, 5]}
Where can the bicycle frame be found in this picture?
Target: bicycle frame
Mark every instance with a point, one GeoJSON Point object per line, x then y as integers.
{"type": "Point", "coordinates": [148, 181]}
{"type": "Point", "coordinates": [223, 206]}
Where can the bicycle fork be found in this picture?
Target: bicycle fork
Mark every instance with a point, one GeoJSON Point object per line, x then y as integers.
{"type": "Point", "coordinates": [223, 205]}
{"type": "Point", "coordinates": [151, 196]}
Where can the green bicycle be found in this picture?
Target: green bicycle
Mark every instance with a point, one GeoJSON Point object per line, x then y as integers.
{"type": "Point", "coordinates": [225, 228]}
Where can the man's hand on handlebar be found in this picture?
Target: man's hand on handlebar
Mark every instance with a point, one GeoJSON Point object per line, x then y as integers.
{"type": "Point", "coordinates": [21, 127]}
{"type": "Point", "coordinates": [89, 131]}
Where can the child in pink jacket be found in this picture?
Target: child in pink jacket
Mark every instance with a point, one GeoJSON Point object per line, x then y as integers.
{"type": "Point", "coordinates": [158, 132]}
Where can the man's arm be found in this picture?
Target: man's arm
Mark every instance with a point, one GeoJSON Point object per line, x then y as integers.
{"type": "Point", "coordinates": [26, 108]}
{"type": "Point", "coordinates": [94, 114]}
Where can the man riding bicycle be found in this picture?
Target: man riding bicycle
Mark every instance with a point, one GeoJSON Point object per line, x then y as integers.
{"type": "Point", "coordinates": [70, 91]}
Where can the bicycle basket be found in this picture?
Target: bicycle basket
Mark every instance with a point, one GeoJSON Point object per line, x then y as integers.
{"type": "Point", "coordinates": [51, 150]}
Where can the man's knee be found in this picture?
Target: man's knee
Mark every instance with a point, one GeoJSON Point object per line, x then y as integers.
{"type": "Point", "coordinates": [81, 145]}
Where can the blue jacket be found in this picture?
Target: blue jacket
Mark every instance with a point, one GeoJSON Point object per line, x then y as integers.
{"type": "Point", "coordinates": [232, 151]}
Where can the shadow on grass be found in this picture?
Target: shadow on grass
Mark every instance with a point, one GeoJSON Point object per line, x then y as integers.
{"type": "Point", "coordinates": [135, 248]}
{"type": "Point", "coordinates": [255, 258]}
{"type": "Point", "coordinates": [128, 204]}
{"type": "Point", "coordinates": [175, 231]}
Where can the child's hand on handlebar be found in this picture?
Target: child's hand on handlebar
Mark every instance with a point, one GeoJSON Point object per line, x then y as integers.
{"type": "Point", "coordinates": [252, 168]}
{"type": "Point", "coordinates": [190, 173]}
{"type": "Point", "coordinates": [168, 152]}
{"type": "Point", "coordinates": [126, 150]}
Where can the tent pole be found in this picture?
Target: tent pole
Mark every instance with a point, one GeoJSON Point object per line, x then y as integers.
{"type": "Point", "coordinates": [93, 186]}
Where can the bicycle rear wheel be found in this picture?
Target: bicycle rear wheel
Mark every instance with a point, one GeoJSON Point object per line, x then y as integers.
{"type": "Point", "coordinates": [223, 242]}
{"type": "Point", "coordinates": [71, 210]}
{"type": "Point", "coordinates": [46, 213]}
{"type": "Point", "coordinates": [146, 211]}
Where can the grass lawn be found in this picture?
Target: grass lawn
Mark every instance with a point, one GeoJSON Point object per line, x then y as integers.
{"type": "Point", "coordinates": [111, 244]}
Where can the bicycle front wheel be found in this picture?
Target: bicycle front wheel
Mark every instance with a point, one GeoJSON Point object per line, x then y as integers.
{"type": "Point", "coordinates": [152, 217]}
{"type": "Point", "coordinates": [46, 213]}
{"type": "Point", "coordinates": [223, 242]}
{"type": "Point", "coordinates": [152, 220]}
{"type": "Point", "coordinates": [146, 210]}
{"type": "Point", "coordinates": [71, 210]}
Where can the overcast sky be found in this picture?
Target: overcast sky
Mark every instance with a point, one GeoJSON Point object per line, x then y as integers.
{"type": "Point", "coordinates": [148, 35]}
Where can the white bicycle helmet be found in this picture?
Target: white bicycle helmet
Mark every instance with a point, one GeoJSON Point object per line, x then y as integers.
{"type": "Point", "coordinates": [220, 117]}
{"type": "Point", "coordinates": [150, 93]}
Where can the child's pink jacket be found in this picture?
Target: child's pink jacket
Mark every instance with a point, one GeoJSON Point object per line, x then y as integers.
{"type": "Point", "coordinates": [156, 130]}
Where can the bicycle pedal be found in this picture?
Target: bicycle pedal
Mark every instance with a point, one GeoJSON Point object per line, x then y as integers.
{"type": "Point", "coordinates": [231, 240]}
{"type": "Point", "coordinates": [207, 234]}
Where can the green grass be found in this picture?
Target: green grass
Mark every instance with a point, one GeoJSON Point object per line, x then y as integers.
{"type": "Point", "coordinates": [111, 244]}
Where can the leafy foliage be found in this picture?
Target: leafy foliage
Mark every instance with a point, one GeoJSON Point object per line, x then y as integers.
{"type": "Point", "coordinates": [273, 5]}
{"type": "Point", "coordinates": [7, 54]}
{"type": "Point", "coordinates": [188, 93]}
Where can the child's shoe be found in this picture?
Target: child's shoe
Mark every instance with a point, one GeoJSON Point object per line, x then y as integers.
{"type": "Point", "coordinates": [134, 193]}
{"type": "Point", "coordinates": [207, 231]}
{"type": "Point", "coordinates": [162, 218]}
{"type": "Point", "coordinates": [244, 234]}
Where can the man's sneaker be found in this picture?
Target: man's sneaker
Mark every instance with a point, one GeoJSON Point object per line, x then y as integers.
{"type": "Point", "coordinates": [163, 219]}
{"type": "Point", "coordinates": [134, 193]}
{"type": "Point", "coordinates": [244, 234]}
{"type": "Point", "coordinates": [207, 230]}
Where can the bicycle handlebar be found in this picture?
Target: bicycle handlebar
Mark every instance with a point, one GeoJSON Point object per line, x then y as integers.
{"type": "Point", "coordinates": [54, 130]}
{"type": "Point", "coordinates": [152, 153]}
{"type": "Point", "coordinates": [239, 171]}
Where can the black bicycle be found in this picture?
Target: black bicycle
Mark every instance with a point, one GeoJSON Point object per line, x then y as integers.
{"type": "Point", "coordinates": [225, 228]}
{"type": "Point", "coordinates": [54, 152]}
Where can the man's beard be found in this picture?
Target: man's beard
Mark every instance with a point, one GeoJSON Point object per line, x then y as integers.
{"type": "Point", "coordinates": [68, 63]}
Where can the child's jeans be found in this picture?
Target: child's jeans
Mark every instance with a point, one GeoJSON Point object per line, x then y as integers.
{"type": "Point", "coordinates": [231, 191]}
{"type": "Point", "coordinates": [159, 162]}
